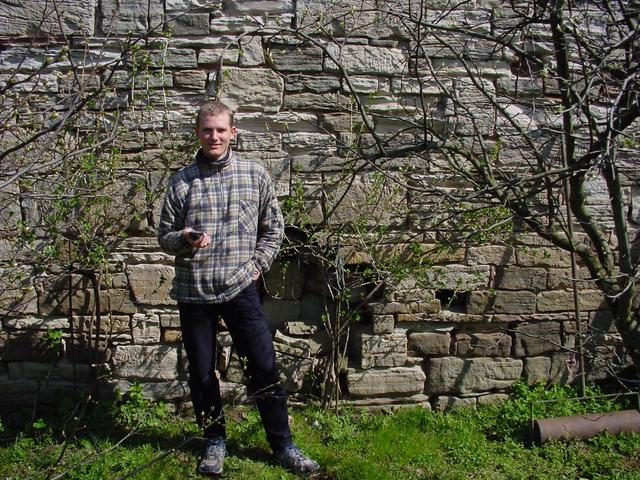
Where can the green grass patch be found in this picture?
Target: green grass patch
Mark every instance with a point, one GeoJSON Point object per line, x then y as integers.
{"type": "Point", "coordinates": [134, 438]}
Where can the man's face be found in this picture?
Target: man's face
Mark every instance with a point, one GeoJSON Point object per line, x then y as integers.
{"type": "Point", "coordinates": [215, 132]}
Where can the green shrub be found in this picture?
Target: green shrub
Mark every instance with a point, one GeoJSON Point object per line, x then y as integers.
{"type": "Point", "coordinates": [512, 419]}
{"type": "Point", "coordinates": [133, 410]}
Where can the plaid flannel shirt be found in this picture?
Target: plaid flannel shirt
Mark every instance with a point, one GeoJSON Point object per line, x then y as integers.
{"type": "Point", "coordinates": [234, 202]}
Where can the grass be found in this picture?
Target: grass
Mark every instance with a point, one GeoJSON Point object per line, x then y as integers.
{"type": "Point", "coordinates": [118, 440]}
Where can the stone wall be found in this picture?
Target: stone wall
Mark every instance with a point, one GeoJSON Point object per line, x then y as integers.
{"type": "Point", "coordinates": [492, 315]}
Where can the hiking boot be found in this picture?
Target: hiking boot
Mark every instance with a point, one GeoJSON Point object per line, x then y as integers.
{"type": "Point", "coordinates": [213, 457]}
{"type": "Point", "coordinates": [293, 459]}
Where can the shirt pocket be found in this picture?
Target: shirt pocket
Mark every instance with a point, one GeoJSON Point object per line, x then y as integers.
{"type": "Point", "coordinates": [248, 217]}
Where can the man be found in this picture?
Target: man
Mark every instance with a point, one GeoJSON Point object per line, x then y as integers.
{"type": "Point", "coordinates": [222, 221]}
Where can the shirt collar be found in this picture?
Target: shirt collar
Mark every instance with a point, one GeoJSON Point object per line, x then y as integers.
{"type": "Point", "coordinates": [217, 164]}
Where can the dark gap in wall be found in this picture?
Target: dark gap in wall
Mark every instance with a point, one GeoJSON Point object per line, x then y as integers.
{"type": "Point", "coordinates": [452, 300]}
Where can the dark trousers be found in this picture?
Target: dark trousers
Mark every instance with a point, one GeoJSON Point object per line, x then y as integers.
{"type": "Point", "coordinates": [252, 340]}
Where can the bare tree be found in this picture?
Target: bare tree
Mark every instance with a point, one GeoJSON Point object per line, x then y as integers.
{"type": "Point", "coordinates": [75, 180]}
{"type": "Point", "coordinates": [508, 123]}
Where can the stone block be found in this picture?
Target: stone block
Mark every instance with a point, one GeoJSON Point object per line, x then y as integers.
{"type": "Point", "coordinates": [592, 300]}
{"type": "Point", "coordinates": [61, 370]}
{"type": "Point", "coordinates": [370, 201]}
{"type": "Point", "coordinates": [283, 122]}
{"type": "Point", "coordinates": [381, 350]}
{"type": "Point", "coordinates": [341, 122]}
{"type": "Point", "coordinates": [225, 26]}
{"type": "Point", "coordinates": [383, 324]}
{"type": "Point", "coordinates": [442, 403]}
{"type": "Point", "coordinates": [492, 398]}
{"type": "Point", "coordinates": [194, 79]}
{"type": "Point", "coordinates": [170, 320]}
{"type": "Point", "coordinates": [314, 308]}
{"type": "Point", "coordinates": [145, 328]}
{"type": "Point", "coordinates": [387, 381]}
{"type": "Point", "coordinates": [409, 292]}
{"type": "Point", "coordinates": [561, 279]}
{"type": "Point", "coordinates": [388, 404]}
{"type": "Point", "coordinates": [315, 101]}
{"type": "Point", "coordinates": [24, 84]}
{"type": "Point", "coordinates": [17, 296]}
{"type": "Point", "coordinates": [252, 89]}
{"type": "Point", "coordinates": [297, 58]}
{"type": "Point", "coordinates": [279, 311]}
{"type": "Point", "coordinates": [259, 141]}
{"type": "Point", "coordinates": [139, 80]}
{"type": "Point", "coordinates": [366, 59]}
{"type": "Point", "coordinates": [458, 277]}
{"type": "Point", "coordinates": [49, 392]}
{"type": "Point", "coordinates": [388, 308]}
{"type": "Point", "coordinates": [117, 301]}
{"type": "Point", "coordinates": [555, 301]}
{"type": "Point", "coordinates": [293, 370]}
{"type": "Point", "coordinates": [35, 323]}
{"type": "Point", "coordinates": [190, 23]}
{"type": "Point", "coordinates": [84, 349]}
{"type": "Point", "coordinates": [258, 7]}
{"type": "Point", "coordinates": [430, 343]}
{"type": "Point", "coordinates": [17, 387]}
{"type": "Point", "coordinates": [53, 298]}
{"type": "Point", "coordinates": [309, 142]}
{"type": "Point", "coordinates": [174, 58]}
{"type": "Point", "coordinates": [300, 328]}
{"type": "Point", "coordinates": [432, 253]}
{"type": "Point", "coordinates": [251, 53]}
{"type": "Point", "coordinates": [171, 335]}
{"type": "Point", "coordinates": [550, 257]}
{"type": "Point", "coordinates": [318, 84]}
{"type": "Point", "coordinates": [112, 325]}
{"type": "Point", "coordinates": [533, 339]}
{"type": "Point", "coordinates": [31, 346]}
{"type": "Point", "coordinates": [457, 375]}
{"type": "Point", "coordinates": [38, 17]}
{"type": "Point", "coordinates": [295, 347]}
{"type": "Point", "coordinates": [491, 255]}
{"type": "Point", "coordinates": [563, 368]}
{"type": "Point", "coordinates": [562, 300]}
{"type": "Point", "coordinates": [118, 280]}
{"type": "Point", "coordinates": [235, 370]}
{"type": "Point", "coordinates": [151, 284]}
{"type": "Point", "coordinates": [536, 369]}
{"type": "Point", "coordinates": [211, 56]}
{"type": "Point", "coordinates": [183, 5]}
{"type": "Point", "coordinates": [517, 278]}
{"type": "Point", "coordinates": [134, 16]}
{"type": "Point", "coordinates": [365, 22]}
{"type": "Point", "coordinates": [362, 85]}
{"type": "Point", "coordinates": [146, 361]}
{"type": "Point", "coordinates": [483, 344]}
{"type": "Point", "coordinates": [413, 86]}
{"type": "Point", "coordinates": [501, 301]}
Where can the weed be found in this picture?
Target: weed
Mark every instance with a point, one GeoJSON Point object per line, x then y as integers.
{"type": "Point", "coordinates": [133, 410]}
{"type": "Point", "coordinates": [410, 444]}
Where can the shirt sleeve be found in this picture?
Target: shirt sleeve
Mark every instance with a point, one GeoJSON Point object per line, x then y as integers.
{"type": "Point", "coordinates": [270, 227]}
{"type": "Point", "coordinates": [170, 237]}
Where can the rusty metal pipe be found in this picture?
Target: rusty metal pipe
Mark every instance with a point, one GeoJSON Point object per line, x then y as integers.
{"type": "Point", "coordinates": [585, 426]}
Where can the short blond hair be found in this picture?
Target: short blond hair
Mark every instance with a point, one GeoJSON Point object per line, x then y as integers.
{"type": "Point", "coordinates": [213, 108]}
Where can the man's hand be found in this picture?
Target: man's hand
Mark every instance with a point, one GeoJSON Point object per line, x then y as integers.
{"type": "Point", "coordinates": [256, 274]}
{"type": "Point", "coordinates": [196, 239]}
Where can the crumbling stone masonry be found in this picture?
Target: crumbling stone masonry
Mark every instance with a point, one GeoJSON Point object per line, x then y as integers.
{"type": "Point", "coordinates": [495, 313]}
